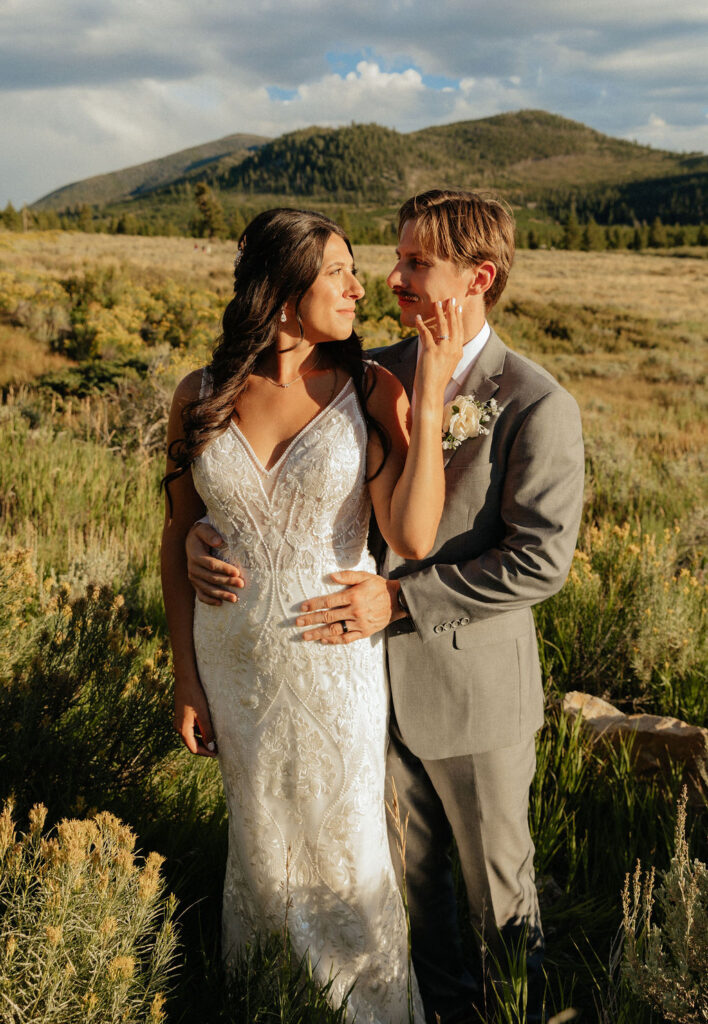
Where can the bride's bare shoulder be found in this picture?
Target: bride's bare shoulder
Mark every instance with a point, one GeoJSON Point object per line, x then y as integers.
{"type": "Point", "coordinates": [385, 391]}
{"type": "Point", "coordinates": [189, 388]}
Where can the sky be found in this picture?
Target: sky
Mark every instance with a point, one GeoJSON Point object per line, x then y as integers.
{"type": "Point", "coordinates": [92, 86]}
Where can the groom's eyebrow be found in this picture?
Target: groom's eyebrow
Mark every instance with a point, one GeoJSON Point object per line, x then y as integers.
{"type": "Point", "coordinates": [412, 253]}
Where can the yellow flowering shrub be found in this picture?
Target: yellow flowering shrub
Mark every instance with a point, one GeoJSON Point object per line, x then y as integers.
{"type": "Point", "coordinates": [20, 593]}
{"type": "Point", "coordinates": [630, 624]}
{"type": "Point", "coordinates": [88, 927]}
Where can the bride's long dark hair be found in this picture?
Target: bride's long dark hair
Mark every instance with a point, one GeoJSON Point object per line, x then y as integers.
{"type": "Point", "coordinates": [279, 257]}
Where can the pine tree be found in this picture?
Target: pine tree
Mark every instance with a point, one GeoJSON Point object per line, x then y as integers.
{"type": "Point", "coordinates": [639, 238]}
{"type": "Point", "coordinates": [209, 221]}
{"type": "Point", "coordinates": [237, 224]}
{"type": "Point", "coordinates": [593, 238]}
{"type": "Point", "coordinates": [657, 234]}
{"type": "Point", "coordinates": [571, 231]}
{"type": "Point", "coordinates": [11, 218]}
{"type": "Point", "coordinates": [127, 225]}
{"type": "Point", "coordinates": [84, 220]}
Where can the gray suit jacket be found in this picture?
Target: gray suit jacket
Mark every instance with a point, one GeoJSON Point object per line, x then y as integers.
{"type": "Point", "coordinates": [464, 669]}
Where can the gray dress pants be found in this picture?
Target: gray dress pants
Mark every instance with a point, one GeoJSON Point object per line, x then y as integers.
{"type": "Point", "coordinates": [480, 800]}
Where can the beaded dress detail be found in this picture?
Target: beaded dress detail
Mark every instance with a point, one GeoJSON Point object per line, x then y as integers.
{"type": "Point", "coordinates": [301, 727]}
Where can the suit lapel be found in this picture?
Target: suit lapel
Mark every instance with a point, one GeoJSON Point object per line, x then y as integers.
{"type": "Point", "coordinates": [401, 360]}
{"type": "Point", "coordinates": [480, 380]}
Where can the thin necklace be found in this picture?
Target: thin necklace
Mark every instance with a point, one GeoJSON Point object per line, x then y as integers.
{"type": "Point", "coordinates": [295, 379]}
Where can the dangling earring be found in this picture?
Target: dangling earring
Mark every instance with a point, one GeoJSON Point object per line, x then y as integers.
{"type": "Point", "coordinates": [283, 315]}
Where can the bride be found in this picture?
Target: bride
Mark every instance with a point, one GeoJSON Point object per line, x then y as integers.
{"type": "Point", "coordinates": [286, 440]}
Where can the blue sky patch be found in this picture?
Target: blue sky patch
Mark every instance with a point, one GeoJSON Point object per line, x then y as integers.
{"type": "Point", "coordinates": [282, 95]}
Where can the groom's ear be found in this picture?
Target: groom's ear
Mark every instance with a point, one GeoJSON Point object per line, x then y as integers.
{"type": "Point", "coordinates": [481, 278]}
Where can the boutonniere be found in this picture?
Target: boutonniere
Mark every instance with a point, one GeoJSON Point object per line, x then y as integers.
{"type": "Point", "coordinates": [465, 416]}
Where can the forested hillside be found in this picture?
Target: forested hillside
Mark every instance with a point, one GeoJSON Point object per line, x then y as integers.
{"type": "Point", "coordinates": [550, 169]}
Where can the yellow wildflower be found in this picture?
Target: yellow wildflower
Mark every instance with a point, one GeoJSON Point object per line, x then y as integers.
{"type": "Point", "coordinates": [89, 1000]}
{"type": "Point", "coordinates": [7, 828]}
{"type": "Point", "coordinates": [37, 817]}
{"type": "Point", "coordinates": [150, 876]}
{"type": "Point", "coordinates": [121, 968]}
{"type": "Point", "coordinates": [54, 934]}
{"type": "Point", "coordinates": [157, 1014]}
{"type": "Point", "coordinates": [108, 927]}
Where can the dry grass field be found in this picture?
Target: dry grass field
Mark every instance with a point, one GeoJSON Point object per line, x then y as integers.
{"type": "Point", "coordinates": [60, 253]}
{"type": "Point", "coordinates": [664, 287]}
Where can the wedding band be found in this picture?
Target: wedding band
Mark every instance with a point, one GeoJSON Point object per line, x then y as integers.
{"type": "Point", "coordinates": [443, 337]}
{"type": "Point", "coordinates": [345, 627]}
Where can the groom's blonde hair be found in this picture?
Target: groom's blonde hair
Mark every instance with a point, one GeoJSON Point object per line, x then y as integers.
{"type": "Point", "coordinates": [467, 228]}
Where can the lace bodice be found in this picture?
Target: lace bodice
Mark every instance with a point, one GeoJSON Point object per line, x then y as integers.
{"type": "Point", "coordinates": [309, 512]}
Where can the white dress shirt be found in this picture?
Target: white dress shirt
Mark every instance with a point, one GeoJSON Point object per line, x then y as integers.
{"type": "Point", "coordinates": [470, 351]}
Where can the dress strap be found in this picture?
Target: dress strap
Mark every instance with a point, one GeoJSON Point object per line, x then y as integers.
{"type": "Point", "coordinates": [207, 385]}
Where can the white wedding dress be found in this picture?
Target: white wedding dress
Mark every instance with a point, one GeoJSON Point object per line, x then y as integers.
{"type": "Point", "coordinates": [302, 727]}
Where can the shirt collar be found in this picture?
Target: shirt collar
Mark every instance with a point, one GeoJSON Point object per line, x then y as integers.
{"type": "Point", "coordinates": [470, 351]}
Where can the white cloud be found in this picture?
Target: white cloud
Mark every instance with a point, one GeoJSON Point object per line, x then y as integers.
{"type": "Point", "coordinates": [682, 138]}
{"type": "Point", "coordinates": [88, 86]}
{"type": "Point", "coordinates": [656, 61]}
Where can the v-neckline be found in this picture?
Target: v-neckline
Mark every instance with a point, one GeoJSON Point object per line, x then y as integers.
{"type": "Point", "coordinates": [293, 441]}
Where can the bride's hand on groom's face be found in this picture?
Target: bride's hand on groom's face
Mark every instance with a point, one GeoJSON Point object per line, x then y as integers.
{"type": "Point", "coordinates": [367, 605]}
{"type": "Point", "coordinates": [208, 575]}
{"type": "Point", "coordinates": [441, 342]}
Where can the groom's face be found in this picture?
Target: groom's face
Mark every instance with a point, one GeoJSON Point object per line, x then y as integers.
{"type": "Point", "coordinates": [420, 278]}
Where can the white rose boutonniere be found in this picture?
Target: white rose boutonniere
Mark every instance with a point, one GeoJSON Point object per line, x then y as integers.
{"type": "Point", "coordinates": [465, 416]}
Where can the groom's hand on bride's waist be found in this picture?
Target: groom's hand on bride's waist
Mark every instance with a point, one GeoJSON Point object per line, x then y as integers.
{"type": "Point", "coordinates": [208, 575]}
{"type": "Point", "coordinates": [367, 605]}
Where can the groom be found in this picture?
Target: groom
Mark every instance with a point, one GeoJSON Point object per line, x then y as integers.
{"type": "Point", "coordinates": [463, 663]}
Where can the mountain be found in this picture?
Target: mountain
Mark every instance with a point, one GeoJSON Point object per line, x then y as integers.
{"type": "Point", "coordinates": [535, 159]}
{"type": "Point", "coordinates": [526, 152]}
{"type": "Point", "coordinates": [137, 181]}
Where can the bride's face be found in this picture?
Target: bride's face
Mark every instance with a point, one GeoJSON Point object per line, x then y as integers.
{"type": "Point", "coordinates": [328, 307]}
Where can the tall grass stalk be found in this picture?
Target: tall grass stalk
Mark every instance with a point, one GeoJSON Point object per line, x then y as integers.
{"type": "Point", "coordinates": [400, 828]}
{"type": "Point", "coordinates": [665, 962]}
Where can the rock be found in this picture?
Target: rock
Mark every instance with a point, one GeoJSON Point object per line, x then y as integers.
{"type": "Point", "coordinates": [657, 742]}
